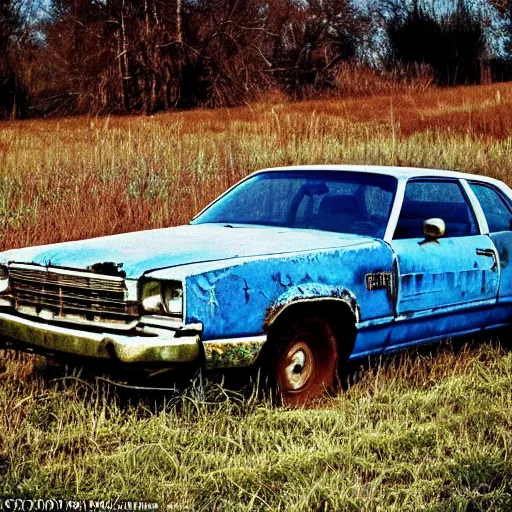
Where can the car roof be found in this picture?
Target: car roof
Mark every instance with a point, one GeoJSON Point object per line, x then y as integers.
{"type": "Point", "coordinates": [404, 173]}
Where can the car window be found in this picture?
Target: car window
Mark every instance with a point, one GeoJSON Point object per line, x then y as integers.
{"type": "Point", "coordinates": [345, 202]}
{"type": "Point", "coordinates": [266, 202]}
{"type": "Point", "coordinates": [435, 199]}
{"type": "Point", "coordinates": [343, 205]}
{"type": "Point", "coordinates": [496, 211]}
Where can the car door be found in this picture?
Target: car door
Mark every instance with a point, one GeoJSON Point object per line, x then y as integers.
{"type": "Point", "coordinates": [498, 213]}
{"type": "Point", "coordinates": [447, 285]}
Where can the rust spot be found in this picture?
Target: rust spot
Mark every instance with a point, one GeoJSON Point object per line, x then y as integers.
{"type": "Point", "coordinates": [270, 315]}
{"type": "Point", "coordinates": [238, 353]}
{"type": "Point", "coordinates": [342, 295]}
{"type": "Point", "coordinates": [108, 268]}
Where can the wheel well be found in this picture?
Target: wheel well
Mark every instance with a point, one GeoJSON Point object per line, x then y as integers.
{"type": "Point", "coordinates": [337, 313]}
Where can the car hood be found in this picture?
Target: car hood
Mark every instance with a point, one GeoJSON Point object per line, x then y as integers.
{"type": "Point", "coordinates": [142, 251]}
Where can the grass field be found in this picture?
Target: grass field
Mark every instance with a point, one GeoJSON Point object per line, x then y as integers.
{"type": "Point", "coordinates": [418, 432]}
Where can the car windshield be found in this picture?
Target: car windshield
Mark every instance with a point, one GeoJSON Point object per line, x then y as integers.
{"type": "Point", "coordinates": [345, 202]}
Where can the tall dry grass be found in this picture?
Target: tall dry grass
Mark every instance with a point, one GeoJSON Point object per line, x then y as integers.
{"type": "Point", "coordinates": [355, 81]}
{"type": "Point", "coordinates": [74, 178]}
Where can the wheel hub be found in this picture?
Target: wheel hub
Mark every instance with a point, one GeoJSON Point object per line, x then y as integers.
{"type": "Point", "coordinates": [298, 366]}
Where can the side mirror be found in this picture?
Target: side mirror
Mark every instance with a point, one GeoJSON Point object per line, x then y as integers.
{"type": "Point", "coordinates": [434, 228]}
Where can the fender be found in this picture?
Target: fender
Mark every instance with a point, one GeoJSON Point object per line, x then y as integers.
{"type": "Point", "coordinates": [307, 293]}
{"type": "Point", "coordinates": [240, 352]}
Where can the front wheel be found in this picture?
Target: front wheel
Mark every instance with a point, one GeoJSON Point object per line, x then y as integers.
{"type": "Point", "coordinates": [305, 361]}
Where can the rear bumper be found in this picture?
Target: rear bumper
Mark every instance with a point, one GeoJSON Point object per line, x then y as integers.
{"type": "Point", "coordinates": [150, 345]}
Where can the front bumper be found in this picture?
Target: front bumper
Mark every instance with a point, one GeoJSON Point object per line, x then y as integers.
{"type": "Point", "coordinates": [150, 345]}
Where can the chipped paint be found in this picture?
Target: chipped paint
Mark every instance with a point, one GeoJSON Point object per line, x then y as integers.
{"type": "Point", "coordinates": [108, 268]}
{"type": "Point", "coordinates": [307, 293]}
{"type": "Point", "coordinates": [449, 273]}
{"type": "Point", "coordinates": [252, 293]}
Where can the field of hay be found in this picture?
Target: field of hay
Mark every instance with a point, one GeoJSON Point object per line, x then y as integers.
{"type": "Point", "coordinates": [66, 179]}
{"type": "Point", "coordinates": [420, 431]}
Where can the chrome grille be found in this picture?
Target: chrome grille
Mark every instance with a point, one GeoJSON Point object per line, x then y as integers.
{"type": "Point", "coordinates": [69, 295]}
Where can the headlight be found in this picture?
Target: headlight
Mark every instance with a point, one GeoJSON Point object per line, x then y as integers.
{"type": "Point", "coordinates": [173, 298]}
{"type": "Point", "coordinates": [160, 298]}
{"type": "Point", "coordinates": [152, 297]}
{"type": "Point", "coordinates": [4, 279]}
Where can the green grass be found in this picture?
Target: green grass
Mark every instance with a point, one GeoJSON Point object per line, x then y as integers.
{"type": "Point", "coordinates": [420, 431]}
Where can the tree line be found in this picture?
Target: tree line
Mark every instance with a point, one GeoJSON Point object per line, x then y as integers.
{"type": "Point", "coordinates": [142, 56]}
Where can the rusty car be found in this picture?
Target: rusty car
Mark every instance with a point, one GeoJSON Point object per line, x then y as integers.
{"type": "Point", "coordinates": [294, 270]}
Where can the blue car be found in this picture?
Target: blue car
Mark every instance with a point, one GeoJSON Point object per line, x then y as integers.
{"type": "Point", "coordinates": [294, 270]}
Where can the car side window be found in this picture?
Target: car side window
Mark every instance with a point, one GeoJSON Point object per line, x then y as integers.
{"type": "Point", "coordinates": [435, 199]}
{"type": "Point", "coordinates": [496, 210]}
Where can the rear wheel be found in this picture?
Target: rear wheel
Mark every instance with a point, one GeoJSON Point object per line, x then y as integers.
{"type": "Point", "coordinates": [305, 361]}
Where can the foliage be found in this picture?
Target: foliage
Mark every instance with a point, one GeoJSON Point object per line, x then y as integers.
{"type": "Point", "coordinates": [126, 55]}
{"type": "Point", "coordinates": [12, 93]}
{"type": "Point", "coordinates": [452, 44]}
{"type": "Point", "coordinates": [62, 57]}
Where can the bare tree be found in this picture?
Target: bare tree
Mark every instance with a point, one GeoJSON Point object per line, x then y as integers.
{"type": "Point", "coordinates": [150, 55]}
{"type": "Point", "coordinates": [452, 43]}
{"type": "Point", "coordinates": [14, 39]}
{"type": "Point", "coordinates": [313, 38]}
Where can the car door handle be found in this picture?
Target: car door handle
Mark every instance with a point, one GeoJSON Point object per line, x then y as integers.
{"type": "Point", "coordinates": [491, 253]}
